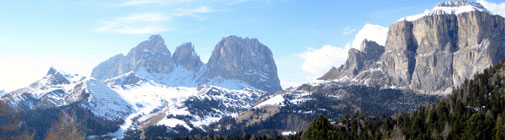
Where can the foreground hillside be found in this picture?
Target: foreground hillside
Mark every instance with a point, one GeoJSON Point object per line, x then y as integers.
{"type": "Point", "coordinates": [474, 110]}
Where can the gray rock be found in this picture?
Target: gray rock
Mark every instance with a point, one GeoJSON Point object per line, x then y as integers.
{"type": "Point", "coordinates": [432, 54]}
{"type": "Point", "coordinates": [244, 59]}
{"type": "Point", "coordinates": [108, 68]}
{"type": "Point", "coordinates": [186, 57]}
{"type": "Point", "coordinates": [233, 58]}
{"type": "Point", "coordinates": [152, 55]}
{"type": "Point", "coordinates": [357, 60]}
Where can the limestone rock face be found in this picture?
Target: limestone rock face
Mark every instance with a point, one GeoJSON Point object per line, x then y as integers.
{"type": "Point", "coordinates": [433, 53]}
{"type": "Point", "coordinates": [186, 56]}
{"type": "Point", "coordinates": [398, 60]}
{"type": "Point", "coordinates": [108, 68]}
{"type": "Point", "coordinates": [244, 59]}
{"type": "Point", "coordinates": [235, 63]}
{"type": "Point", "coordinates": [357, 60]}
{"type": "Point", "coordinates": [151, 54]}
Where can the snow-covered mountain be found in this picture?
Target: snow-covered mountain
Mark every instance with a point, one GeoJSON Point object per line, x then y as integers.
{"type": "Point", "coordinates": [449, 8]}
{"type": "Point", "coordinates": [139, 101]}
{"type": "Point", "coordinates": [429, 53]}
{"type": "Point", "coordinates": [55, 89]}
{"type": "Point", "coordinates": [58, 89]}
{"type": "Point", "coordinates": [150, 87]}
{"type": "Point", "coordinates": [238, 89]}
{"type": "Point", "coordinates": [235, 63]}
{"type": "Point", "coordinates": [191, 107]}
{"type": "Point", "coordinates": [2, 92]}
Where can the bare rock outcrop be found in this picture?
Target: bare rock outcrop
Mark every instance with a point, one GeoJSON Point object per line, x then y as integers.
{"type": "Point", "coordinates": [244, 59]}
{"type": "Point", "coordinates": [432, 53]}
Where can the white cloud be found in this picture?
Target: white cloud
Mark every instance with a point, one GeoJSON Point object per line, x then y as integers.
{"type": "Point", "coordinates": [319, 61]}
{"type": "Point", "coordinates": [146, 23]}
{"type": "Point", "coordinates": [376, 33]}
{"type": "Point", "coordinates": [193, 12]}
{"type": "Point", "coordinates": [348, 30]}
{"type": "Point", "coordinates": [496, 8]}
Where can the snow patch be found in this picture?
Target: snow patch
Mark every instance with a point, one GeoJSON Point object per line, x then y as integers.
{"type": "Point", "coordinates": [449, 8]}
{"type": "Point", "coordinates": [274, 101]}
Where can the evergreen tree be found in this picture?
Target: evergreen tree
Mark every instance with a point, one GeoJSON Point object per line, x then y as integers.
{"type": "Point", "coordinates": [499, 129]}
{"type": "Point", "coordinates": [318, 129]}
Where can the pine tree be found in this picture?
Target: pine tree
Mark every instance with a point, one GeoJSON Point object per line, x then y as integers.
{"type": "Point", "coordinates": [318, 129]}
{"type": "Point", "coordinates": [499, 129]}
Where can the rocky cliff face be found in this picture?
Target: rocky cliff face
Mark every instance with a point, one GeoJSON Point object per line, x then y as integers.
{"type": "Point", "coordinates": [152, 55]}
{"type": "Point", "coordinates": [186, 56]}
{"type": "Point", "coordinates": [357, 60]}
{"type": "Point", "coordinates": [435, 51]}
{"type": "Point", "coordinates": [108, 68]}
{"type": "Point", "coordinates": [235, 63]}
{"type": "Point", "coordinates": [244, 59]}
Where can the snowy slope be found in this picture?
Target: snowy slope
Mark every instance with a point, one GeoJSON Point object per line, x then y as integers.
{"type": "Point", "coordinates": [190, 107]}
{"type": "Point", "coordinates": [104, 102]}
{"type": "Point", "coordinates": [179, 77]}
{"type": "Point", "coordinates": [449, 8]}
{"type": "Point", "coordinates": [3, 92]}
{"type": "Point", "coordinates": [294, 95]}
{"type": "Point", "coordinates": [139, 101]}
{"type": "Point", "coordinates": [55, 89]}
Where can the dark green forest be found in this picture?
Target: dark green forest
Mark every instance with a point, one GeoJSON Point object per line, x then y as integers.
{"type": "Point", "coordinates": [475, 110]}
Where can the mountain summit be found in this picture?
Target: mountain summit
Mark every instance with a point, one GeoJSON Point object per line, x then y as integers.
{"type": "Point", "coordinates": [432, 52]}
{"type": "Point", "coordinates": [450, 8]}
{"type": "Point", "coordinates": [235, 63]}
{"type": "Point", "coordinates": [244, 59]}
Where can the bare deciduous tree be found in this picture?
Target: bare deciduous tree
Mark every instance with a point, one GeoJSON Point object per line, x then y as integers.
{"type": "Point", "coordinates": [65, 129]}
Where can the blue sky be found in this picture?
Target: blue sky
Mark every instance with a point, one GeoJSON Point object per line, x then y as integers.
{"type": "Point", "coordinates": [74, 36]}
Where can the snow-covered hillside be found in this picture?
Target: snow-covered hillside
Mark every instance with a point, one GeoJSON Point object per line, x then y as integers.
{"type": "Point", "coordinates": [55, 89]}
{"type": "Point", "coordinates": [190, 107]}
{"type": "Point", "coordinates": [140, 102]}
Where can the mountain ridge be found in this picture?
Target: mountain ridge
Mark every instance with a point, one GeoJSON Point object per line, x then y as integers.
{"type": "Point", "coordinates": [432, 53]}
{"type": "Point", "coordinates": [245, 59]}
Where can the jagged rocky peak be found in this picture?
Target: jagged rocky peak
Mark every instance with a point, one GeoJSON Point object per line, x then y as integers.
{"type": "Point", "coordinates": [450, 8]}
{"type": "Point", "coordinates": [151, 55]}
{"type": "Point", "coordinates": [432, 52]}
{"type": "Point", "coordinates": [155, 43]}
{"type": "Point", "coordinates": [459, 3]}
{"type": "Point", "coordinates": [371, 48]}
{"type": "Point", "coordinates": [186, 56]}
{"type": "Point", "coordinates": [108, 68]}
{"type": "Point", "coordinates": [364, 59]}
{"type": "Point", "coordinates": [56, 77]}
{"type": "Point", "coordinates": [244, 59]}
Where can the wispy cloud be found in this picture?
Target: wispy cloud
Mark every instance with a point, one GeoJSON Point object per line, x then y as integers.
{"type": "Point", "coordinates": [148, 2]}
{"type": "Point", "coordinates": [193, 12]}
{"type": "Point", "coordinates": [348, 30]}
{"type": "Point", "coordinates": [145, 23]}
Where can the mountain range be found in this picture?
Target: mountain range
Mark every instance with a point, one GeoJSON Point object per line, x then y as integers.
{"type": "Point", "coordinates": [235, 63]}
{"type": "Point", "coordinates": [238, 92]}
